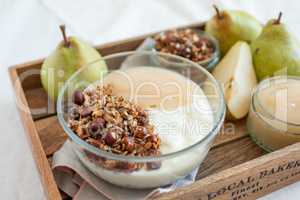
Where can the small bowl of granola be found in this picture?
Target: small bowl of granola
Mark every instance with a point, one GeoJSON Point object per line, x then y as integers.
{"type": "Point", "coordinates": [143, 125]}
{"type": "Point", "coordinates": [193, 44]}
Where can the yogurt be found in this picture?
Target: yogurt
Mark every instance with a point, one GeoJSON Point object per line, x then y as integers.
{"type": "Point", "coordinates": [181, 115]}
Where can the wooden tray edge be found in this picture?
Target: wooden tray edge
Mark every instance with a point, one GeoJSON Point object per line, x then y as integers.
{"type": "Point", "coordinates": [46, 175]}
{"type": "Point", "coordinates": [264, 162]}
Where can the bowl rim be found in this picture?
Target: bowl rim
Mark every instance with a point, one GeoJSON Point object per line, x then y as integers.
{"type": "Point", "coordinates": [216, 125]}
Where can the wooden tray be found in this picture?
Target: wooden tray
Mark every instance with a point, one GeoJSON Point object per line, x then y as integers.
{"type": "Point", "coordinates": [235, 167]}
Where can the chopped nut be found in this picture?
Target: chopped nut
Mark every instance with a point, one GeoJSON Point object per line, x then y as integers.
{"type": "Point", "coordinates": [148, 145]}
{"type": "Point", "coordinates": [186, 43]}
{"type": "Point", "coordinates": [140, 132]}
{"type": "Point", "coordinates": [93, 142]}
{"type": "Point", "coordinates": [97, 113]}
{"type": "Point", "coordinates": [109, 118]}
{"type": "Point", "coordinates": [129, 144]}
{"type": "Point", "coordinates": [82, 133]}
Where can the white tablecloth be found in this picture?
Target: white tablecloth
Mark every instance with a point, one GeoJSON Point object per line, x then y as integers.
{"type": "Point", "coordinates": [29, 30]}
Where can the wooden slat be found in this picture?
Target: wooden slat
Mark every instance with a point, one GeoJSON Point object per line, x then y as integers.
{"type": "Point", "coordinates": [47, 179]}
{"type": "Point", "coordinates": [230, 131]}
{"type": "Point", "coordinates": [51, 134]}
{"type": "Point", "coordinates": [39, 103]}
{"type": "Point", "coordinates": [228, 155]}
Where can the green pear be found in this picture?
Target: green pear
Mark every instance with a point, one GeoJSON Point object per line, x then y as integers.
{"type": "Point", "coordinates": [276, 51]}
{"type": "Point", "coordinates": [67, 58]}
{"type": "Point", "coordinates": [230, 26]}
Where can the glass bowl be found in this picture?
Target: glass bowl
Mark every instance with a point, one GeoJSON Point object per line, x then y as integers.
{"type": "Point", "coordinates": [209, 64]}
{"type": "Point", "coordinates": [273, 121]}
{"type": "Point", "coordinates": [152, 171]}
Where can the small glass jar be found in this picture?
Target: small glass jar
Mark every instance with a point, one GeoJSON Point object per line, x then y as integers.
{"type": "Point", "coordinates": [273, 120]}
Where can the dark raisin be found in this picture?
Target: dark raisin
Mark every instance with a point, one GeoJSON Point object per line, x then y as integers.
{"type": "Point", "coordinates": [74, 114]}
{"type": "Point", "coordinates": [94, 129]}
{"type": "Point", "coordinates": [125, 166]}
{"type": "Point", "coordinates": [153, 165]}
{"type": "Point", "coordinates": [101, 122]}
{"type": "Point", "coordinates": [92, 157]}
{"type": "Point", "coordinates": [110, 138]}
{"type": "Point", "coordinates": [78, 98]}
{"type": "Point", "coordinates": [86, 111]}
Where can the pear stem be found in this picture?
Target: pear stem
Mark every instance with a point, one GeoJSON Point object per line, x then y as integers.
{"type": "Point", "coordinates": [277, 21]}
{"type": "Point", "coordinates": [217, 11]}
{"type": "Point", "coordinates": [63, 31]}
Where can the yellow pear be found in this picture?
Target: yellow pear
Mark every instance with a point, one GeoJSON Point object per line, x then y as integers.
{"type": "Point", "coordinates": [236, 74]}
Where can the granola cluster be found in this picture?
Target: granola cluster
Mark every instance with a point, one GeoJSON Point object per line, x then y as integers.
{"type": "Point", "coordinates": [186, 43]}
{"type": "Point", "coordinates": [113, 124]}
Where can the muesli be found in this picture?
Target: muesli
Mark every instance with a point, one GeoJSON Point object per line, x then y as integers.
{"type": "Point", "coordinates": [113, 124]}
